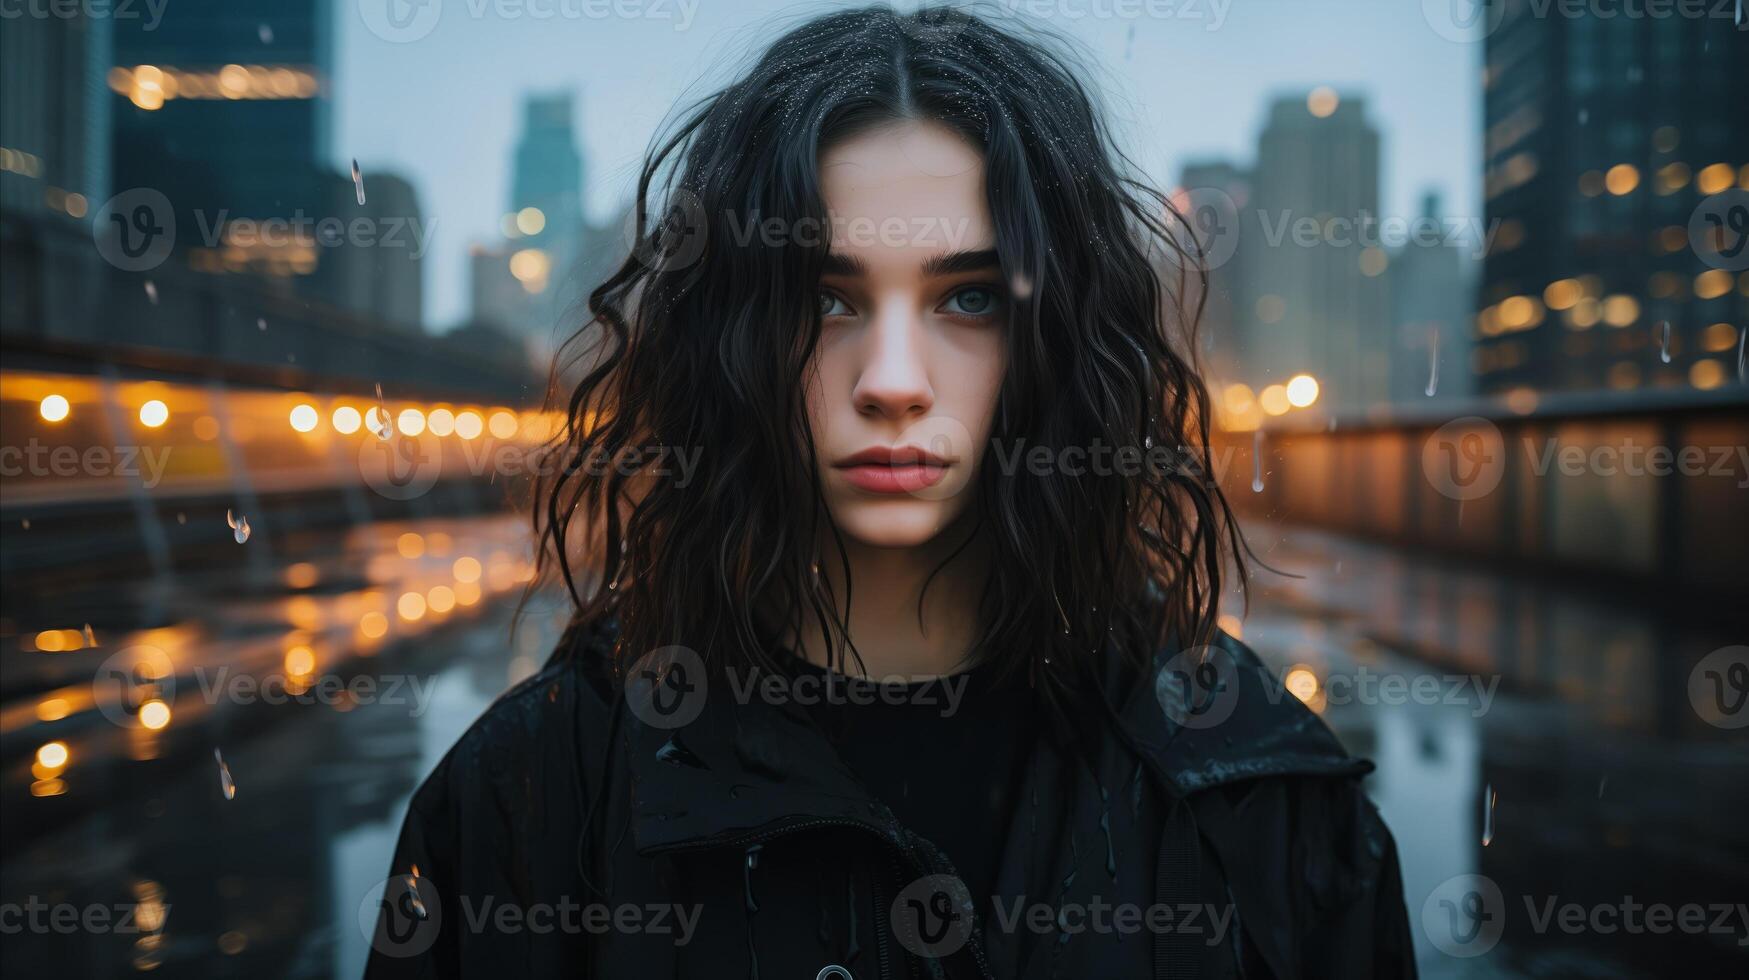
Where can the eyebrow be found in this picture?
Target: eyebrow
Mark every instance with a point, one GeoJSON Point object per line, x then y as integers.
{"type": "Point", "coordinates": [941, 265]}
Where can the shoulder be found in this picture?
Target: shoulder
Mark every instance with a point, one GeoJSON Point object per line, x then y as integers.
{"type": "Point", "coordinates": [1221, 715]}
{"type": "Point", "coordinates": [549, 729]}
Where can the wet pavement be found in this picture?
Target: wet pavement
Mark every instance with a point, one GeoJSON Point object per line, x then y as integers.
{"type": "Point", "coordinates": [1570, 713]}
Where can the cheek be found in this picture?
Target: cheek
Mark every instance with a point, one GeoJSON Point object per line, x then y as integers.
{"type": "Point", "coordinates": [980, 364]}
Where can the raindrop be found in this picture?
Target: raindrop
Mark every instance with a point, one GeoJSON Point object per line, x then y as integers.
{"type": "Point", "coordinates": [1742, 341]}
{"type": "Point", "coordinates": [381, 426]}
{"type": "Point", "coordinates": [25, 523]}
{"type": "Point", "coordinates": [1584, 116]}
{"type": "Point", "coordinates": [1021, 286]}
{"type": "Point", "coordinates": [1432, 362]}
{"type": "Point", "coordinates": [1600, 784]}
{"type": "Point", "coordinates": [417, 903]}
{"type": "Point", "coordinates": [226, 783]}
{"type": "Point", "coordinates": [265, 32]}
{"type": "Point", "coordinates": [1257, 461]}
{"type": "Point", "coordinates": [152, 292]}
{"type": "Point", "coordinates": [358, 182]}
{"type": "Point", "coordinates": [90, 637]}
{"type": "Point", "coordinates": [239, 525]}
{"type": "Point", "coordinates": [181, 517]}
{"type": "Point", "coordinates": [1488, 816]}
{"type": "Point", "coordinates": [261, 323]}
{"type": "Point", "coordinates": [1664, 341]}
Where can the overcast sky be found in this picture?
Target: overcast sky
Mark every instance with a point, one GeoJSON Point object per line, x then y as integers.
{"type": "Point", "coordinates": [438, 99]}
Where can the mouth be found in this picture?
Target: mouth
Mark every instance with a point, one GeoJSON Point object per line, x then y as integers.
{"type": "Point", "coordinates": [901, 469]}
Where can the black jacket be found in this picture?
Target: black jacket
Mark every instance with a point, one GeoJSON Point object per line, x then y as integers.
{"type": "Point", "coordinates": [563, 837]}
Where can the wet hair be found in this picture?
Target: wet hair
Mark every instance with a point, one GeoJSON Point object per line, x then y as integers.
{"type": "Point", "coordinates": [703, 339]}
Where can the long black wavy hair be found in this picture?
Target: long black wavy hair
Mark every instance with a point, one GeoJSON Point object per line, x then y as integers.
{"type": "Point", "coordinates": [701, 339]}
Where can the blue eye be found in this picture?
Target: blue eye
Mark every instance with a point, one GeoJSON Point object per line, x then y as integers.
{"type": "Point", "coordinates": [974, 301]}
{"type": "Point", "coordinates": [831, 305]}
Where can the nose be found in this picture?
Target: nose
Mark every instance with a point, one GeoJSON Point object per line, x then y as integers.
{"type": "Point", "coordinates": [894, 377]}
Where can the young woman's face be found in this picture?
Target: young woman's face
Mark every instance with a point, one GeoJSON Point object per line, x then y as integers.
{"type": "Point", "coordinates": [911, 353]}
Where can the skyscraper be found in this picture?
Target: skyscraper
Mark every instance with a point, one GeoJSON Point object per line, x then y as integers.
{"type": "Point", "coordinates": [54, 114]}
{"type": "Point", "coordinates": [1310, 299]}
{"type": "Point", "coordinates": [1604, 137]}
{"type": "Point", "coordinates": [1433, 302]}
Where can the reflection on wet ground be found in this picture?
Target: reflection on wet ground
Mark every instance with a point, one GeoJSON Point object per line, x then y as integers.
{"type": "Point", "coordinates": [242, 833]}
{"type": "Point", "coordinates": [1572, 715]}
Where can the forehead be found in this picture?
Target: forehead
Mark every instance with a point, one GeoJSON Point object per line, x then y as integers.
{"type": "Point", "coordinates": [921, 173]}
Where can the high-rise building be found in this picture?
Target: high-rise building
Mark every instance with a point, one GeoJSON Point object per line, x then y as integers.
{"type": "Point", "coordinates": [1604, 137]}
{"type": "Point", "coordinates": [1211, 197]}
{"type": "Point", "coordinates": [1310, 297]}
{"type": "Point", "coordinates": [535, 275]}
{"type": "Point", "coordinates": [222, 106]}
{"type": "Point", "coordinates": [1433, 303]}
{"type": "Point", "coordinates": [54, 113]}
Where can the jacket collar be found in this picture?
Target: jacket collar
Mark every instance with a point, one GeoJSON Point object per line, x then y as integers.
{"type": "Point", "coordinates": [747, 766]}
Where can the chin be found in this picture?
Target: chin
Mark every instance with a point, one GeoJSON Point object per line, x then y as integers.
{"type": "Point", "coordinates": [892, 523]}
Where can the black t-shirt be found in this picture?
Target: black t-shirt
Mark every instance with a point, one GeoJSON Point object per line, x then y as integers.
{"type": "Point", "coordinates": [945, 755]}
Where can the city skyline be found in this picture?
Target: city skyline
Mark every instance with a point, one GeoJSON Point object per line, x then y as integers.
{"type": "Point", "coordinates": [481, 68]}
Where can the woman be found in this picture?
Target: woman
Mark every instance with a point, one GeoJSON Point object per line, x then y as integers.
{"type": "Point", "coordinates": [918, 674]}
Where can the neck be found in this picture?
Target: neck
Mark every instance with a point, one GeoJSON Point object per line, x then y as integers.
{"type": "Point", "coordinates": [893, 634]}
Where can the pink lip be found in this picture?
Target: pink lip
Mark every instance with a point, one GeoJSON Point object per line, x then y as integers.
{"type": "Point", "coordinates": [905, 469]}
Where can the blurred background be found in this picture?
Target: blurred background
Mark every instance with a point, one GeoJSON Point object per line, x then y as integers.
{"type": "Point", "coordinates": [282, 279]}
